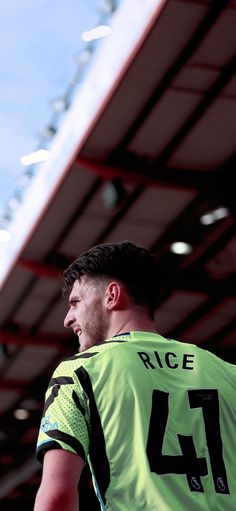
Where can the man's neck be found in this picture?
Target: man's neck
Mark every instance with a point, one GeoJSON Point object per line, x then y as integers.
{"type": "Point", "coordinates": [128, 323]}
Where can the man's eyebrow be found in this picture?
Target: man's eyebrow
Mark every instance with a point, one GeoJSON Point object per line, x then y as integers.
{"type": "Point", "coordinates": [73, 298]}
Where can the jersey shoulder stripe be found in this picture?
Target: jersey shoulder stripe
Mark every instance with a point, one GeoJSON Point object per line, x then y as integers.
{"type": "Point", "coordinates": [87, 355]}
{"type": "Point", "coordinates": [60, 380]}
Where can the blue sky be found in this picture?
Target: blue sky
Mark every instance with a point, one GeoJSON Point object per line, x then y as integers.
{"type": "Point", "coordinates": [39, 40]}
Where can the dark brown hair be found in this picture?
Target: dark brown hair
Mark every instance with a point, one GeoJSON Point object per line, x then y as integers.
{"type": "Point", "coordinates": [132, 265]}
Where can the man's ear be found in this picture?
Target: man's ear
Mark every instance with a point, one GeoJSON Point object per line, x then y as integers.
{"type": "Point", "coordinates": [114, 296]}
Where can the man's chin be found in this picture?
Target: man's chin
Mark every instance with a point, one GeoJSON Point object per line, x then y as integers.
{"type": "Point", "coordinates": [82, 346]}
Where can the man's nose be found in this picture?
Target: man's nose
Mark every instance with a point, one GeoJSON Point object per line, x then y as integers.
{"type": "Point", "coordinates": [69, 320]}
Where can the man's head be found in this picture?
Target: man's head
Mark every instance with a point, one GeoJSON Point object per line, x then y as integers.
{"type": "Point", "coordinates": [109, 277]}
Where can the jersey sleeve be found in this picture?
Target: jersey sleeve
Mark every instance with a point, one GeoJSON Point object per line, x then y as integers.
{"type": "Point", "coordinates": [64, 424]}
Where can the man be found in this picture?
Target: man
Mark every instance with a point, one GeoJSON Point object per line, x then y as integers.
{"type": "Point", "coordinates": [155, 418]}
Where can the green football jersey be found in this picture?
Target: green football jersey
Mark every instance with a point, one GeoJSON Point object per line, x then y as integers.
{"type": "Point", "coordinates": [155, 418]}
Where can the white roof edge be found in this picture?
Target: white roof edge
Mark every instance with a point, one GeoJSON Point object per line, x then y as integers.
{"type": "Point", "coordinates": [133, 19]}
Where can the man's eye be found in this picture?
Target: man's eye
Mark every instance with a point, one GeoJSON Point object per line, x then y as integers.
{"type": "Point", "coordinates": [74, 302]}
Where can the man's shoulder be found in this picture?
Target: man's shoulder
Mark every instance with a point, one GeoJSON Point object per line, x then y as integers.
{"type": "Point", "coordinates": [69, 364]}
